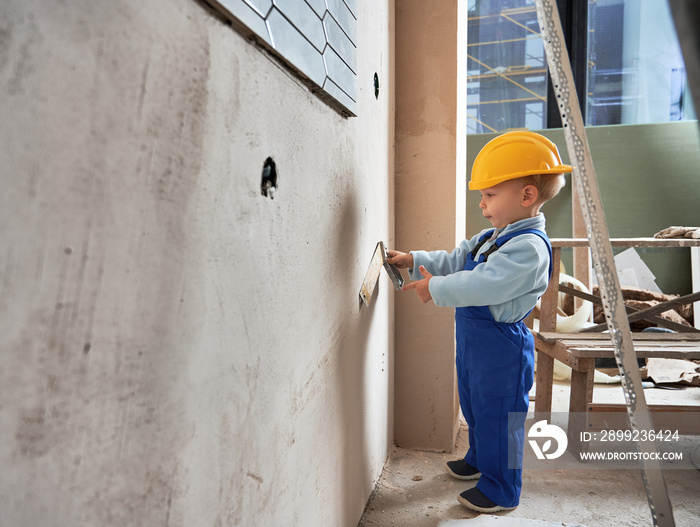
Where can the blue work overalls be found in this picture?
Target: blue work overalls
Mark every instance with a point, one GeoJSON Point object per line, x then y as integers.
{"type": "Point", "coordinates": [495, 371]}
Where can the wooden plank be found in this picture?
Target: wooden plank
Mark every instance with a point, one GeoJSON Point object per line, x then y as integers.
{"type": "Point", "coordinates": [543, 384]}
{"type": "Point", "coordinates": [548, 312]}
{"type": "Point", "coordinates": [621, 407]}
{"type": "Point", "coordinates": [607, 416]}
{"type": "Point", "coordinates": [548, 322]}
{"type": "Point", "coordinates": [668, 353]}
{"type": "Point", "coordinates": [659, 344]}
{"type": "Point", "coordinates": [638, 348]}
{"type": "Point", "coordinates": [630, 242]}
{"type": "Point", "coordinates": [581, 396]}
{"type": "Point", "coordinates": [695, 273]}
{"type": "Point", "coordinates": [569, 347]}
{"type": "Point", "coordinates": [582, 261]}
{"type": "Point", "coordinates": [548, 336]}
{"type": "Point", "coordinates": [653, 345]}
{"type": "Point", "coordinates": [557, 350]}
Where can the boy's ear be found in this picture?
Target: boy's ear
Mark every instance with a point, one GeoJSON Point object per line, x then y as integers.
{"type": "Point", "coordinates": [529, 195]}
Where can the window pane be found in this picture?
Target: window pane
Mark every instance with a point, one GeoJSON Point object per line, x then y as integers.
{"type": "Point", "coordinates": [636, 72]}
{"type": "Point", "coordinates": [506, 68]}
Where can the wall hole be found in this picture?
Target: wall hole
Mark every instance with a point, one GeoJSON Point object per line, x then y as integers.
{"type": "Point", "coordinates": [376, 85]}
{"type": "Point", "coordinates": [268, 185]}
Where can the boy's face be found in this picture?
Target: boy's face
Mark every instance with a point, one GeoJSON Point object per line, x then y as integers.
{"type": "Point", "coordinates": [505, 203]}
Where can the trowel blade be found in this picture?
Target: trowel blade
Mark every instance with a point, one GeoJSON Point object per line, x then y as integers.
{"type": "Point", "coordinates": [372, 275]}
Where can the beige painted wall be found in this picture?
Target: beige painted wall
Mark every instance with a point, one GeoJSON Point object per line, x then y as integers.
{"type": "Point", "coordinates": [177, 349]}
{"type": "Point", "coordinates": [426, 407]}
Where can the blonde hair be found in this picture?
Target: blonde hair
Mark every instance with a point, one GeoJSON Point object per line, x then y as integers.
{"type": "Point", "coordinates": [547, 185]}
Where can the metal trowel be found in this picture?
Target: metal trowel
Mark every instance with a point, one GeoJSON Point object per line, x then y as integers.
{"type": "Point", "coordinates": [375, 266]}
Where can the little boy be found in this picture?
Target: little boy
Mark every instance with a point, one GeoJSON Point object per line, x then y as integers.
{"type": "Point", "coordinates": [494, 281]}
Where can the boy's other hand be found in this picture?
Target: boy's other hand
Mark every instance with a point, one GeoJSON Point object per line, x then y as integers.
{"type": "Point", "coordinates": [421, 286]}
{"type": "Point", "coordinates": [399, 259]}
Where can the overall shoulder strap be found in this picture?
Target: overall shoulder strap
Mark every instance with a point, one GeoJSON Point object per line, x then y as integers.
{"type": "Point", "coordinates": [482, 240]}
{"type": "Point", "coordinates": [503, 239]}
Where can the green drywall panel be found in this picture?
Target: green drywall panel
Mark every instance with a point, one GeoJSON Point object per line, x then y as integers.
{"type": "Point", "coordinates": [649, 179]}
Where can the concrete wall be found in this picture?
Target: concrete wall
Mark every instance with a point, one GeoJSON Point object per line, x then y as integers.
{"type": "Point", "coordinates": [177, 349]}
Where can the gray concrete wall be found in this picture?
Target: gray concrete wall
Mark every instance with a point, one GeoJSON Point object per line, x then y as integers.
{"type": "Point", "coordinates": [177, 349]}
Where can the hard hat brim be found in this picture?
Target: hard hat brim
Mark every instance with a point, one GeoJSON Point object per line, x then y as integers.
{"type": "Point", "coordinates": [492, 182]}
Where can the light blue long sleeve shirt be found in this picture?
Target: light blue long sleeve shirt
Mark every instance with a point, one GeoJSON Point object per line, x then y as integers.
{"type": "Point", "coordinates": [509, 282]}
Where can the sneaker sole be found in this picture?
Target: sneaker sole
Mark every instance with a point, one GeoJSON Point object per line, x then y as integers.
{"type": "Point", "coordinates": [469, 505]}
{"type": "Point", "coordinates": [459, 476]}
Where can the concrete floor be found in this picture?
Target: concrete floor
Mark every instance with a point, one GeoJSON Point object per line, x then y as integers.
{"type": "Point", "coordinates": [414, 489]}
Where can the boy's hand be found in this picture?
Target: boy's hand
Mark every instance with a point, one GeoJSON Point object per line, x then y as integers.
{"type": "Point", "coordinates": [421, 286]}
{"type": "Point", "coordinates": [399, 259]}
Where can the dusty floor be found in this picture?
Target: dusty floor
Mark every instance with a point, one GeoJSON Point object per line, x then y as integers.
{"type": "Point", "coordinates": [414, 489]}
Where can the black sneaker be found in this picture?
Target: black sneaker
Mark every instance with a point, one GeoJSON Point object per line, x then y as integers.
{"type": "Point", "coordinates": [475, 500]}
{"type": "Point", "coordinates": [460, 469]}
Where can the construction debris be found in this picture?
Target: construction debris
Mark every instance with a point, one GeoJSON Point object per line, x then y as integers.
{"type": "Point", "coordinates": [679, 232]}
{"type": "Point", "coordinates": [676, 371]}
{"type": "Point", "coordinates": [642, 299]}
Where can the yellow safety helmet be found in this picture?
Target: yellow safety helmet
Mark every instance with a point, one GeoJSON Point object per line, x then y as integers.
{"type": "Point", "coordinates": [514, 155]}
